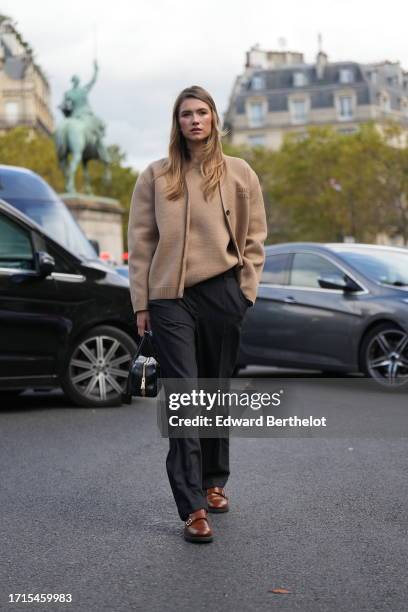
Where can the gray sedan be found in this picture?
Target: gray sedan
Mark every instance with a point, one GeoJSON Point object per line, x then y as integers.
{"type": "Point", "coordinates": [331, 307]}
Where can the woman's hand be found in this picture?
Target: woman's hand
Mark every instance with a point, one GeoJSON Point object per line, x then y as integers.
{"type": "Point", "coordinates": [143, 322]}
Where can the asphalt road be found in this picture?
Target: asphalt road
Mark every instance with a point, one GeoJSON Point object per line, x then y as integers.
{"type": "Point", "coordinates": [86, 509]}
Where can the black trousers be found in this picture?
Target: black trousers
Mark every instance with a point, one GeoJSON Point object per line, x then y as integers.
{"type": "Point", "coordinates": [198, 336]}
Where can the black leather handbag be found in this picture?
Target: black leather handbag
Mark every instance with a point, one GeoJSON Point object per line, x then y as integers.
{"type": "Point", "coordinates": [144, 374]}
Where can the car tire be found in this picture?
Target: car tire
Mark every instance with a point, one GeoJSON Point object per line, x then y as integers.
{"type": "Point", "coordinates": [384, 355]}
{"type": "Point", "coordinates": [97, 366]}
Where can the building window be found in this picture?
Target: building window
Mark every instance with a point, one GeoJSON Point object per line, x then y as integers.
{"type": "Point", "coordinates": [12, 112]}
{"type": "Point", "coordinates": [299, 79]}
{"type": "Point", "coordinates": [385, 102]}
{"type": "Point", "coordinates": [345, 107]}
{"type": "Point", "coordinates": [404, 106]}
{"type": "Point", "coordinates": [256, 114]}
{"type": "Point", "coordinates": [346, 75]}
{"type": "Point", "coordinates": [395, 80]}
{"type": "Point", "coordinates": [298, 109]}
{"type": "Point", "coordinates": [258, 82]}
{"type": "Point", "coordinates": [256, 140]}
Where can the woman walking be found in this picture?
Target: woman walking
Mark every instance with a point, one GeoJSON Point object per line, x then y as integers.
{"type": "Point", "coordinates": [196, 231]}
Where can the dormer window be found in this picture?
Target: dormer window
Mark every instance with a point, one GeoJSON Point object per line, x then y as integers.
{"type": "Point", "coordinates": [299, 79]}
{"type": "Point", "coordinates": [346, 75]}
{"type": "Point", "coordinates": [258, 82]}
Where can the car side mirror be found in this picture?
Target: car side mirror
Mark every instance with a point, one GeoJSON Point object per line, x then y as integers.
{"type": "Point", "coordinates": [335, 282]}
{"type": "Point", "coordinates": [45, 264]}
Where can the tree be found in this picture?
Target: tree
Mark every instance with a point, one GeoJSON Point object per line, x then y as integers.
{"type": "Point", "coordinates": [262, 160]}
{"type": "Point", "coordinates": [301, 187]}
{"type": "Point", "coordinates": [393, 212]}
{"type": "Point", "coordinates": [324, 186]}
{"type": "Point", "coordinates": [23, 147]}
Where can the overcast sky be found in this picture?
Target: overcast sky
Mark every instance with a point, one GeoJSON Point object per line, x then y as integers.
{"type": "Point", "coordinates": [149, 50]}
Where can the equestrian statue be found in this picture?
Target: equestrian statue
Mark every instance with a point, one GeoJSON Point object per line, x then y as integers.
{"type": "Point", "coordinates": [79, 137]}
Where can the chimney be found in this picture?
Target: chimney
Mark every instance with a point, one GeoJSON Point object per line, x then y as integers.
{"type": "Point", "coordinates": [321, 61]}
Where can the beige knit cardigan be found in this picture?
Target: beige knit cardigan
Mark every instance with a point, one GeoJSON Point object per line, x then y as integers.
{"type": "Point", "coordinates": [159, 228]}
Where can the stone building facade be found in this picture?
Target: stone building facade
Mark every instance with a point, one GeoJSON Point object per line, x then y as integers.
{"type": "Point", "coordinates": [279, 92]}
{"type": "Point", "coordinates": [24, 89]}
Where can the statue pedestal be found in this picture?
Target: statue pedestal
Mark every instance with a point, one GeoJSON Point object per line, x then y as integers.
{"type": "Point", "coordinates": [100, 219]}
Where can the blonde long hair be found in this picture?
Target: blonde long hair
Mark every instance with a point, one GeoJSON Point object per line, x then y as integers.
{"type": "Point", "coordinates": [212, 165]}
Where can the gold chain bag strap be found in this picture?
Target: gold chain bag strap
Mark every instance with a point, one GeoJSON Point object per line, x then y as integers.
{"type": "Point", "coordinates": [144, 373]}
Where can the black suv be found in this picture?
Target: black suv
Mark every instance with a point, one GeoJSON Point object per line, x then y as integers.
{"type": "Point", "coordinates": [65, 319]}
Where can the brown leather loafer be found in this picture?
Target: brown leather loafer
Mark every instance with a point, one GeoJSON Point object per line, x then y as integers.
{"type": "Point", "coordinates": [196, 527]}
{"type": "Point", "coordinates": [217, 500]}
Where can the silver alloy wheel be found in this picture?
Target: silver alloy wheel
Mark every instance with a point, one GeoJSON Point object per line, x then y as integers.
{"type": "Point", "coordinates": [99, 367]}
{"type": "Point", "coordinates": [387, 357]}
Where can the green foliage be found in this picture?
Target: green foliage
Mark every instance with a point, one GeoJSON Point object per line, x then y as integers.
{"type": "Point", "coordinates": [23, 147]}
{"type": "Point", "coordinates": [263, 162]}
{"type": "Point", "coordinates": [327, 185]}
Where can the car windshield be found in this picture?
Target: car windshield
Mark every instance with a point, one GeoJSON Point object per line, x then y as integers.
{"type": "Point", "coordinates": [58, 222]}
{"type": "Point", "coordinates": [383, 266]}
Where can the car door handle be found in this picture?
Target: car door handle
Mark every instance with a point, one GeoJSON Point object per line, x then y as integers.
{"type": "Point", "coordinates": [289, 300]}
